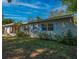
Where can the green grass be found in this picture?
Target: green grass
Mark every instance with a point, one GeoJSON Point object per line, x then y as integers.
{"type": "Point", "coordinates": [54, 50]}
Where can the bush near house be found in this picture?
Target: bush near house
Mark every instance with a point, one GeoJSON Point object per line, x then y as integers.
{"type": "Point", "coordinates": [45, 36]}
{"type": "Point", "coordinates": [69, 38]}
{"type": "Point", "coordinates": [21, 34]}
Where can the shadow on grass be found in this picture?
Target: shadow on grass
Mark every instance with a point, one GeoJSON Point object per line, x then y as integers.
{"type": "Point", "coordinates": [36, 49]}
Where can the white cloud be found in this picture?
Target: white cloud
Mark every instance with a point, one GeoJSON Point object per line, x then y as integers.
{"type": "Point", "coordinates": [24, 12]}
{"type": "Point", "coordinates": [60, 8]}
{"type": "Point", "coordinates": [27, 4]}
{"type": "Point", "coordinates": [44, 5]}
{"type": "Point", "coordinates": [12, 15]}
{"type": "Point", "coordinates": [36, 5]}
{"type": "Point", "coordinates": [15, 17]}
{"type": "Point", "coordinates": [18, 11]}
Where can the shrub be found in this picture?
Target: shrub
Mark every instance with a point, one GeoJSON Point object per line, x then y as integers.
{"type": "Point", "coordinates": [21, 34]}
{"type": "Point", "coordinates": [69, 38]}
{"type": "Point", "coordinates": [43, 35]}
{"type": "Point", "coordinates": [58, 38]}
{"type": "Point", "coordinates": [46, 36]}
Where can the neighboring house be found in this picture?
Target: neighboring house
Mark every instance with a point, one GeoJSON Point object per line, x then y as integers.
{"type": "Point", "coordinates": [8, 29]}
{"type": "Point", "coordinates": [55, 26]}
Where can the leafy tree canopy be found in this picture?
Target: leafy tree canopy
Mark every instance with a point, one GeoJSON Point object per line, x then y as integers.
{"type": "Point", "coordinates": [38, 18]}
{"type": "Point", "coordinates": [7, 21]}
{"type": "Point", "coordinates": [72, 5]}
{"type": "Point", "coordinates": [19, 23]}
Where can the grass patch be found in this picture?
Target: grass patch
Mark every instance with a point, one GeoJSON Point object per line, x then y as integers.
{"type": "Point", "coordinates": [50, 49]}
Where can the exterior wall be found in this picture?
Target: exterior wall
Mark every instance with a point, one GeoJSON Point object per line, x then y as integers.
{"type": "Point", "coordinates": [35, 30]}
{"type": "Point", "coordinates": [8, 30]}
{"type": "Point", "coordinates": [59, 28]}
{"type": "Point", "coordinates": [62, 27]}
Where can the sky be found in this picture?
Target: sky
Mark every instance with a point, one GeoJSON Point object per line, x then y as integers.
{"type": "Point", "coordinates": [21, 10]}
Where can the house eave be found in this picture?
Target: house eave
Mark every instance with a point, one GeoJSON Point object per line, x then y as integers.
{"type": "Point", "coordinates": [46, 20]}
{"type": "Point", "coordinates": [8, 24]}
{"type": "Point", "coordinates": [51, 19]}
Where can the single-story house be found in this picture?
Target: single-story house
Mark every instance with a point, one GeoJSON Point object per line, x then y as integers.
{"type": "Point", "coordinates": [56, 26]}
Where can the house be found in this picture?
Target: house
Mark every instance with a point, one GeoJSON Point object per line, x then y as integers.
{"type": "Point", "coordinates": [56, 26]}
{"type": "Point", "coordinates": [8, 29]}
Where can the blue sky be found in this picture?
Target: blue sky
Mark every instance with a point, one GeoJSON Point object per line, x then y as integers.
{"type": "Point", "coordinates": [21, 10]}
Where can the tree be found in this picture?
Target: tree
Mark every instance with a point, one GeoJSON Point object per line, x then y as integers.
{"type": "Point", "coordinates": [30, 19]}
{"type": "Point", "coordinates": [72, 5]}
{"type": "Point", "coordinates": [52, 14]}
{"type": "Point", "coordinates": [38, 18]}
{"type": "Point", "coordinates": [56, 13]}
{"type": "Point", "coordinates": [18, 25]}
{"type": "Point", "coordinates": [7, 21]}
{"type": "Point", "coordinates": [60, 12]}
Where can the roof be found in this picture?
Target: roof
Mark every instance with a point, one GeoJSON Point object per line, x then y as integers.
{"type": "Point", "coordinates": [52, 19]}
{"type": "Point", "coordinates": [46, 20]}
{"type": "Point", "coordinates": [8, 24]}
{"type": "Point", "coordinates": [64, 16]}
{"type": "Point", "coordinates": [24, 22]}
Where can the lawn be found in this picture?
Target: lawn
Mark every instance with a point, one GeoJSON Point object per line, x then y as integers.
{"type": "Point", "coordinates": [22, 48]}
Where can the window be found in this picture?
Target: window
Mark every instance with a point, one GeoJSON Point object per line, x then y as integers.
{"type": "Point", "coordinates": [50, 27]}
{"type": "Point", "coordinates": [44, 27]}
{"type": "Point", "coordinates": [34, 27]}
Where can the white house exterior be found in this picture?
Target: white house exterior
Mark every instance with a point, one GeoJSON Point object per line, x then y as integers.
{"type": "Point", "coordinates": [55, 26]}
{"type": "Point", "coordinates": [7, 29]}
